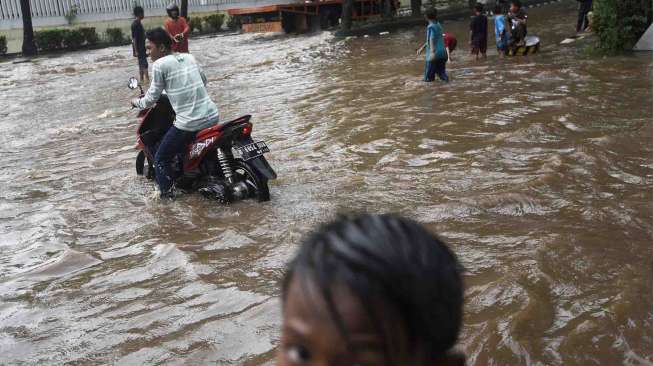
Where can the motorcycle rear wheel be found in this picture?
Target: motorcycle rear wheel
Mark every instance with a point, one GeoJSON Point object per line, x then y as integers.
{"type": "Point", "coordinates": [254, 180]}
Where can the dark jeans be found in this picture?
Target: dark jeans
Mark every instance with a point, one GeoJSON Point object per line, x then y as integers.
{"type": "Point", "coordinates": [438, 66]}
{"type": "Point", "coordinates": [174, 142]}
{"type": "Point", "coordinates": [584, 8]}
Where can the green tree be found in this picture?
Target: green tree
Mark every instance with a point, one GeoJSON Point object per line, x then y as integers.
{"type": "Point", "coordinates": [387, 8]}
{"type": "Point", "coordinates": [347, 9]}
{"type": "Point", "coordinates": [184, 9]}
{"type": "Point", "coordinates": [416, 7]}
{"type": "Point", "coordinates": [29, 48]}
{"type": "Point", "coordinates": [619, 23]}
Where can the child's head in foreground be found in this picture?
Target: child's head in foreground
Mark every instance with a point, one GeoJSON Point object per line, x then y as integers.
{"type": "Point", "coordinates": [373, 290]}
{"type": "Point", "coordinates": [478, 8]}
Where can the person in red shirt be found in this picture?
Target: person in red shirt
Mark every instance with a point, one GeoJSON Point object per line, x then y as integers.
{"type": "Point", "coordinates": [177, 28]}
{"type": "Point", "coordinates": [450, 43]}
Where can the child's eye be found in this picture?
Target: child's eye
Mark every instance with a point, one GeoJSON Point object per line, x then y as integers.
{"type": "Point", "coordinates": [298, 354]}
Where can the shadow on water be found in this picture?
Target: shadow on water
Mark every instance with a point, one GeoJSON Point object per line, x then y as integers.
{"type": "Point", "coordinates": [537, 170]}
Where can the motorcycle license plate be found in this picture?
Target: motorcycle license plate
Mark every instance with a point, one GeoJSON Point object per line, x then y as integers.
{"type": "Point", "coordinates": [254, 150]}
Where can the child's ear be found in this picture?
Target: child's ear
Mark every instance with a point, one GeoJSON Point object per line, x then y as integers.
{"type": "Point", "coordinates": [452, 358]}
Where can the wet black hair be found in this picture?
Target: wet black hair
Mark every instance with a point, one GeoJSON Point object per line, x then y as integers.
{"type": "Point", "coordinates": [478, 7]}
{"type": "Point", "coordinates": [159, 37]}
{"type": "Point", "coordinates": [138, 11]}
{"type": "Point", "coordinates": [396, 268]}
{"type": "Point", "coordinates": [431, 13]}
{"type": "Point", "coordinates": [498, 9]}
{"type": "Point", "coordinates": [516, 3]}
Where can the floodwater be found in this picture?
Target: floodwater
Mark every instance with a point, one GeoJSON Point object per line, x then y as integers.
{"type": "Point", "coordinates": [538, 171]}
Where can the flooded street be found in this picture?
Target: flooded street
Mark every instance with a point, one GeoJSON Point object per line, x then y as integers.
{"type": "Point", "coordinates": [538, 171]}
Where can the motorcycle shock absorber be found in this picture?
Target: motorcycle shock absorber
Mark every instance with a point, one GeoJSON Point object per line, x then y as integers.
{"type": "Point", "coordinates": [225, 164]}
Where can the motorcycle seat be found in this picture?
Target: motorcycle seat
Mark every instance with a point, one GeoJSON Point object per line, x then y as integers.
{"type": "Point", "coordinates": [221, 126]}
{"type": "Point", "coordinates": [242, 119]}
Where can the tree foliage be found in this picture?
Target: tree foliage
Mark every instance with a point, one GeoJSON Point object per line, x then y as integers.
{"type": "Point", "coordinates": [72, 39]}
{"type": "Point", "coordinates": [115, 36]}
{"type": "Point", "coordinates": [215, 21]}
{"type": "Point", "coordinates": [184, 9]}
{"type": "Point", "coordinates": [65, 39]}
{"type": "Point", "coordinates": [620, 23]}
{"type": "Point", "coordinates": [3, 45]}
{"type": "Point", "coordinates": [49, 40]}
{"type": "Point", "coordinates": [29, 48]}
{"type": "Point", "coordinates": [347, 12]}
{"type": "Point", "coordinates": [196, 24]}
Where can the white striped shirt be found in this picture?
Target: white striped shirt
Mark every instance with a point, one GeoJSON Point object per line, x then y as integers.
{"type": "Point", "coordinates": [185, 84]}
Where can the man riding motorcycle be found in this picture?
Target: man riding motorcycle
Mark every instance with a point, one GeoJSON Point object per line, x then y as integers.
{"type": "Point", "coordinates": [185, 84]}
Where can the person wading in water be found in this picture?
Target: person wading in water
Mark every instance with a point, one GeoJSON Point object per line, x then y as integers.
{"type": "Point", "coordinates": [177, 28]}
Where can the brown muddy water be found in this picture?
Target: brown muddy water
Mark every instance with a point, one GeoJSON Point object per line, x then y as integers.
{"type": "Point", "coordinates": [538, 171]}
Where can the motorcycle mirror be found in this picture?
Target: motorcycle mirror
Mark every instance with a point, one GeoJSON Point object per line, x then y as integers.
{"type": "Point", "coordinates": [133, 83]}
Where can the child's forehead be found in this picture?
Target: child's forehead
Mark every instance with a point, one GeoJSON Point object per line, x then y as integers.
{"type": "Point", "coordinates": [306, 299]}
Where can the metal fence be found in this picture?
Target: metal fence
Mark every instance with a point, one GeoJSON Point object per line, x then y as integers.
{"type": "Point", "coordinates": [55, 12]}
{"type": "Point", "coordinates": [10, 9]}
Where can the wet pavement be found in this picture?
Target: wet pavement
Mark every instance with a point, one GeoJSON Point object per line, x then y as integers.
{"type": "Point", "coordinates": [538, 171]}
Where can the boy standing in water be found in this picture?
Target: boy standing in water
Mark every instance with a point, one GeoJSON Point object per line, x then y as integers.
{"type": "Point", "coordinates": [500, 31]}
{"type": "Point", "coordinates": [478, 32]}
{"type": "Point", "coordinates": [436, 55]}
{"type": "Point", "coordinates": [138, 43]}
{"type": "Point", "coordinates": [371, 290]}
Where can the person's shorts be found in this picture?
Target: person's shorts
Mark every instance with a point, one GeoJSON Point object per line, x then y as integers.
{"type": "Point", "coordinates": [479, 45]}
{"type": "Point", "coordinates": [142, 62]}
{"type": "Point", "coordinates": [501, 46]}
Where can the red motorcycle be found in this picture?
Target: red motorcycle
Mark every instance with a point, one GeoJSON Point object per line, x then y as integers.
{"type": "Point", "coordinates": [223, 162]}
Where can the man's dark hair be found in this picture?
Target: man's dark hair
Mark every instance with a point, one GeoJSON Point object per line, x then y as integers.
{"type": "Point", "coordinates": [498, 9]}
{"type": "Point", "coordinates": [431, 13]}
{"type": "Point", "coordinates": [478, 7]}
{"type": "Point", "coordinates": [396, 268]}
{"type": "Point", "coordinates": [138, 11]}
{"type": "Point", "coordinates": [516, 3]}
{"type": "Point", "coordinates": [159, 37]}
